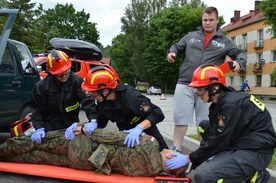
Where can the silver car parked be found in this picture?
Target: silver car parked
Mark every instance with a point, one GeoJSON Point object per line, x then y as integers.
{"type": "Point", "coordinates": [154, 90]}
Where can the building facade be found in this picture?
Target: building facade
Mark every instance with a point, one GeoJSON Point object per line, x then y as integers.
{"type": "Point", "coordinates": [251, 34]}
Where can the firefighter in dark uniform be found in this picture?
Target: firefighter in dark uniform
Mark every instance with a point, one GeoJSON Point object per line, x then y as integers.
{"type": "Point", "coordinates": [239, 134]}
{"type": "Point", "coordinates": [56, 99]}
{"type": "Point", "coordinates": [124, 105]}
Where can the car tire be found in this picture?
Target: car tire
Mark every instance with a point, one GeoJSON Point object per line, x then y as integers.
{"type": "Point", "coordinates": [25, 112]}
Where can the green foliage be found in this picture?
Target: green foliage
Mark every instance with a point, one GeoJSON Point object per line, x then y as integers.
{"type": "Point", "coordinates": [167, 28]}
{"type": "Point", "coordinates": [121, 57]}
{"type": "Point", "coordinates": [105, 50]}
{"type": "Point", "coordinates": [273, 74]}
{"type": "Point", "coordinates": [65, 22]}
{"type": "Point", "coordinates": [3, 3]}
{"type": "Point", "coordinates": [22, 28]}
{"type": "Point", "coordinates": [35, 26]}
{"type": "Point", "coordinates": [272, 165]}
{"type": "Point", "coordinates": [135, 25]}
{"type": "Point", "coordinates": [268, 7]}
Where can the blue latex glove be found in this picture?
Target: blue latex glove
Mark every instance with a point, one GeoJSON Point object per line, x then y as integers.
{"type": "Point", "coordinates": [178, 161]}
{"type": "Point", "coordinates": [90, 127]}
{"type": "Point", "coordinates": [69, 132]}
{"type": "Point", "coordinates": [133, 136]}
{"type": "Point", "coordinates": [38, 135]}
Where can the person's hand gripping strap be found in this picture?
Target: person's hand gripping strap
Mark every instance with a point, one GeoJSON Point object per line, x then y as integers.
{"type": "Point", "coordinates": [133, 136]}
{"type": "Point", "coordinates": [38, 135]}
{"type": "Point", "coordinates": [179, 160]}
{"type": "Point", "coordinates": [69, 132]}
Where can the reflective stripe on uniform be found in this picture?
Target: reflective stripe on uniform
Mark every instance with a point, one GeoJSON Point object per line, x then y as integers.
{"type": "Point", "coordinates": [72, 107]}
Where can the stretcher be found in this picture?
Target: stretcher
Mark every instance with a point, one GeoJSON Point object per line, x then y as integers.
{"type": "Point", "coordinates": [63, 173]}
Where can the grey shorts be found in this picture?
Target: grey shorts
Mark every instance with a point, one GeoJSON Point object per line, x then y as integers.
{"type": "Point", "coordinates": [186, 106]}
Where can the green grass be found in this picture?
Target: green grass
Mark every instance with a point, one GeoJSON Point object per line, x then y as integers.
{"type": "Point", "coordinates": [272, 165]}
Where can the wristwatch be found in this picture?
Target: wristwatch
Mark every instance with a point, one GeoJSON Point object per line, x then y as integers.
{"type": "Point", "coordinates": [93, 120]}
{"type": "Point", "coordinates": [82, 131]}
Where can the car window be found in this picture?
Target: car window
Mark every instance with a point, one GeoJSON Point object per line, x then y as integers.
{"type": "Point", "coordinates": [76, 66]}
{"type": "Point", "coordinates": [24, 55]}
{"type": "Point", "coordinates": [43, 65]}
{"type": "Point", "coordinates": [7, 65]}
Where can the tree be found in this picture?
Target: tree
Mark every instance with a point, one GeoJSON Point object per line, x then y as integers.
{"type": "Point", "coordinates": [121, 57]}
{"type": "Point", "coordinates": [3, 4]}
{"type": "Point", "coordinates": [268, 7]}
{"type": "Point", "coordinates": [39, 32]}
{"type": "Point", "coordinates": [135, 22]}
{"type": "Point", "coordinates": [167, 28]}
{"type": "Point", "coordinates": [65, 22]}
{"type": "Point", "coordinates": [22, 28]}
{"type": "Point", "coordinates": [35, 26]}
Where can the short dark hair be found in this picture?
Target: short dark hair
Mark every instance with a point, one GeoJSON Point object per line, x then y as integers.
{"type": "Point", "coordinates": [210, 10]}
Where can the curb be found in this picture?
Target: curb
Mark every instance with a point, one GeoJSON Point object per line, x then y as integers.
{"type": "Point", "coordinates": [192, 145]}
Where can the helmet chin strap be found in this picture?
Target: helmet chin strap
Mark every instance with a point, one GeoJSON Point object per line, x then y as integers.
{"type": "Point", "coordinates": [102, 95]}
{"type": "Point", "coordinates": [211, 91]}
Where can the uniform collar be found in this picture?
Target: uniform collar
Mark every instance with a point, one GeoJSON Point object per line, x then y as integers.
{"type": "Point", "coordinates": [59, 86]}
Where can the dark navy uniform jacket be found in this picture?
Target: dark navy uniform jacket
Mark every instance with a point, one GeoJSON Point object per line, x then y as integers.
{"type": "Point", "coordinates": [56, 105]}
{"type": "Point", "coordinates": [128, 110]}
{"type": "Point", "coordinates": [237, 121]}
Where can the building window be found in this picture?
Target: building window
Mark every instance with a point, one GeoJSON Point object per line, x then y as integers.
{"type": "Point", "coordinates": [231, 81]}
{"type": "Point", "coordinates": [258, 66]}
{"type": "Point", "coordinates": [260, 39]}
{"type": "Point", "coordinates": [259, 81]}
{"type": "Point", "coordinates": [233, 39]}
{"type": "Point", "coordinates": [242, 79]}
{"type": "Point", "coordinates": [244, 42]}
{"type": "Point", "coordinates": [261, 36]}
{"type": "Point", "coordinates": [259, 57]}
{"type": "Point", "coordinates": [274, 56]}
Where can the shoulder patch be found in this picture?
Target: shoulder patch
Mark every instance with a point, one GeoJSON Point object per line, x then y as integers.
{"type": "Point", "coordinates": [221, 121]}
{"type": "Point", "coordinates": [257, 103]}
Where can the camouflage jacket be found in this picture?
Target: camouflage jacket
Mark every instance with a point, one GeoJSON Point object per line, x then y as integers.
{"type": "Point", "coordinates": [111, 156]}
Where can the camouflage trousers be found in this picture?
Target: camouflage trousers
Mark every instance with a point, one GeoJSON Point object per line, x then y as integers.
{"type": "Point", "coordinates": [54, 150]}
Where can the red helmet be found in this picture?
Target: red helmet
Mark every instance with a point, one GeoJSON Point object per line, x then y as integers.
{"type": "Point", "coordinates": [100, 77]}
{"type": "Point", "coordinates": [206, 75]}
{"type": "Point", "coordinates": [58, 62]}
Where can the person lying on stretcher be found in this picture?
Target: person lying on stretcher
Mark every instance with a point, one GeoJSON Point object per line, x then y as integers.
{"type": "Point", "coordinates": [103, 152]}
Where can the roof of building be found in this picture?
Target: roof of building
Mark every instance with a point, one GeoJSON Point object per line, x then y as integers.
{"type": "Point", "coordinates": [239, 21]}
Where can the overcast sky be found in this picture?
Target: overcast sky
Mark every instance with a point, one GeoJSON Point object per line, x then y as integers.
{"type": "Point", "coordinates": [107, 13]}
